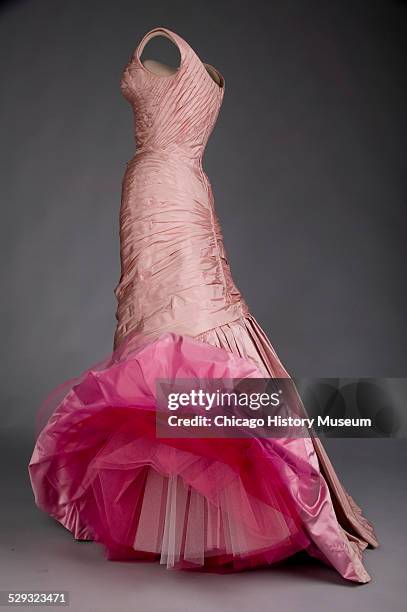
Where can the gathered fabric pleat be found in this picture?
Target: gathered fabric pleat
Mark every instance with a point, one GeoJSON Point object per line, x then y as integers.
{"type": "Point", "coordinates": [245, 338]}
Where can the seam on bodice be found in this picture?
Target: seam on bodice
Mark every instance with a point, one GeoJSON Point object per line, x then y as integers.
{"type": "Point", "coordinates": [212, 213]}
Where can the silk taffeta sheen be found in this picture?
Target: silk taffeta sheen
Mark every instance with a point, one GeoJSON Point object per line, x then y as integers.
{"type": "Point", "coordinates": [97, 465]}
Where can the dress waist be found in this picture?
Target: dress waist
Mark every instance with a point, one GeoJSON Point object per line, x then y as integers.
{"type": "Point", "coordinates": [191, 320]}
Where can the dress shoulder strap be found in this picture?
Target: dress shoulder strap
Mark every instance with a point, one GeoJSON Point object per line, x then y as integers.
{"type": "Point", "coordinates": [160, 31]}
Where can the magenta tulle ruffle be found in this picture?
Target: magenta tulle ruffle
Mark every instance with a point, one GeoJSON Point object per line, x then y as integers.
{"type": "Point", "coordinates": [99, 468]}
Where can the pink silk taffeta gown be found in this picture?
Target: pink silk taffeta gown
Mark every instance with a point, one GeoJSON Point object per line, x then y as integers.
{"type": "Point", "coordinates": [97, 466]}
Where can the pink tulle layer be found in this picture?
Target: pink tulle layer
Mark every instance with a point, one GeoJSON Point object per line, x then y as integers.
{"type": "Point", "coordinates": [99, 468]}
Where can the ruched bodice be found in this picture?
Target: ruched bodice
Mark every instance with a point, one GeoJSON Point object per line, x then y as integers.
{"type": "Point", "coordinates": [175, 113]}
{"type": "Point", "coordinates": [174, 271]}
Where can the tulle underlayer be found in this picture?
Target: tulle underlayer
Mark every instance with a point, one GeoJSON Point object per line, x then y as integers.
{"type": "Point", "coordinates": [99, 468]}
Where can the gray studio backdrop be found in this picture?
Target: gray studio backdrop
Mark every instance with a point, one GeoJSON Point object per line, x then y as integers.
{"type": "Point", "coordinates": [307, 164]}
